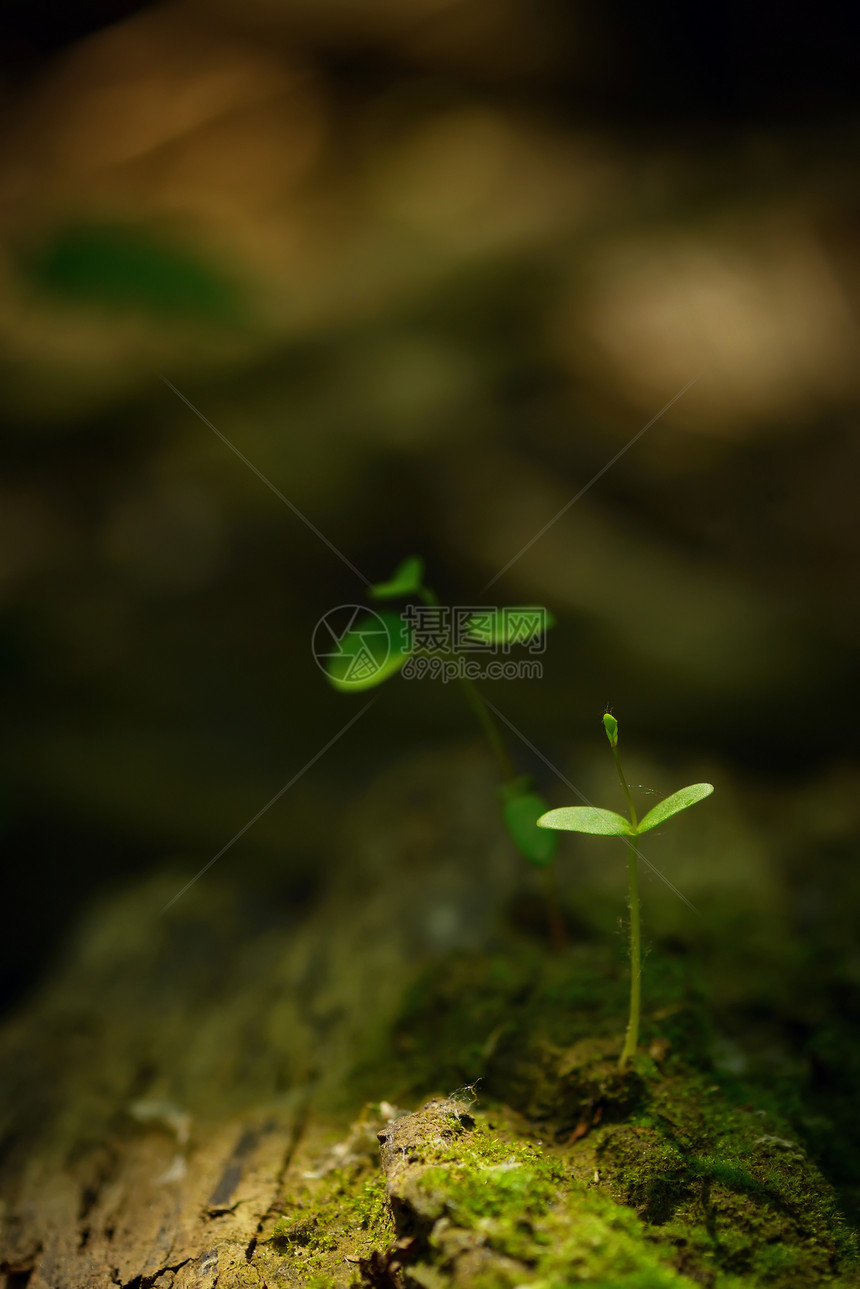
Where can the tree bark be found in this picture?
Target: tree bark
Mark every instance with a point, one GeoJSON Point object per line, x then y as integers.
{"type": "Point", "coordinates": [158, 1085]}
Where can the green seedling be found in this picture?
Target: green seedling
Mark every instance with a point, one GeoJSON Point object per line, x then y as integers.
{"type": "Point", "coordinates": [606, 823]}
{"type": "Point", "coordinates": [382, 643]}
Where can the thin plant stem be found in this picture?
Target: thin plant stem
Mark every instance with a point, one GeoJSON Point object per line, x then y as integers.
{"type": "Point", "coordinates": [488, 725]}
{"type": "Point", "coordinates": [624, 784]}
{"type": "Point", "coordinates": [631, 1038]}
{"type": "Point", "coordinates": [479, 707]}
{"type": "Point", "coordinates": [510, 778]}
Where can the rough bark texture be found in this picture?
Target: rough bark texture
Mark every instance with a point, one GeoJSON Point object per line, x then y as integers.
{"type": "Point", "coordinates": [197, 1020]}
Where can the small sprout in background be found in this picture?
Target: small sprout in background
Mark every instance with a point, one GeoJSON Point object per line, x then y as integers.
{"type": "Point", "coordinates": [606, 823]}
{"type": "Point", "coordinates": [378, 645]}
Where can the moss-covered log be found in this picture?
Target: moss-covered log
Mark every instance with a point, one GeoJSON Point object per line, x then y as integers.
{"type": "Point", "coordinates": [400, 1086]}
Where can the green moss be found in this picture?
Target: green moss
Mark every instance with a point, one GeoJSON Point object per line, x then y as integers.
{"type": "Point", "coordinates": [502, 1020]}
{"type": "Point", "coordinates": [570, 1173]}
{"type": "Point", "coordinates": [330, 1224]}
{"type": "Point", "coordinates": [748, 1210]}
{"type": "Point", "coordinates": [729, 1186]}
{"type": "Point", "coordinates": [492, 1209]}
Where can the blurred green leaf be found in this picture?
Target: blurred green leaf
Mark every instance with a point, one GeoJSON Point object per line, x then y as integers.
{"type": "Point", "coordinates": [131, 268]}
{"type": "Point", "coordinates": [368, 654]}
{"type": "Point", "coordinates": [514, 624]}
{"type": "Point", "coordinates": [673, 805]}
{"type": "Point", "coordinates": [405, 580]}
{"type": "Point", "coordinates": [605, 823]}
{"type": "Point", "coordinates": [520, 813]}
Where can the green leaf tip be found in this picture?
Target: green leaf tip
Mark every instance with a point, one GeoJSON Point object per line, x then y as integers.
{"type": "Point", "coordinates": [520, 814]}
{"type": "Point", "coordinates": [610, 724]}
{"type": "Point", "coordinates": [602, 823]}
{"type": "Point", "coordinates": [674, 804]}
{"type": "Point", "coordinates": [406, 579]}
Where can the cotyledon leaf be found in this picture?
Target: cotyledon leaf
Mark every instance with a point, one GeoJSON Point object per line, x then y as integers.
{"type": "Point", "coordinates": [673, 805]}
{"type": "Point", "coordinates": [604, 823]}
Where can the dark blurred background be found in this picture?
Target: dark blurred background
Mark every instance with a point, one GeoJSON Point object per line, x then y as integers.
{"type": "Point", "coordinates": [429, 266]}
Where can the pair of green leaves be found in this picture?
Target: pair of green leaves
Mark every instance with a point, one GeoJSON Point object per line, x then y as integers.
{"type": "Point", "coordinates": [606, 823]}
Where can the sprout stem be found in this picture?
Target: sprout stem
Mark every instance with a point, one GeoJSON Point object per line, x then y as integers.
{"type": "Point", "coordinates": [630, 806]}
{"type": "Point", "coordinates": [631, 1038]}
{"type": "Point", "coordinates": [479, 707]}
{"type": "Point", "coordinates": [494, 738]}
{"type": "Point", "coordinates": [510, 779]}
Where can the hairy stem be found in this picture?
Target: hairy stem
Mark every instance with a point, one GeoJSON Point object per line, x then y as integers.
{"type": "Point", "coordinates": [624, 784]}
{"type": "Point", "coordinates": [631, 1038]}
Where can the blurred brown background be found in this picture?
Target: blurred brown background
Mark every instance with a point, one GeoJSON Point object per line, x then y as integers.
{"type": "Point", "coordinates": [429, 266]}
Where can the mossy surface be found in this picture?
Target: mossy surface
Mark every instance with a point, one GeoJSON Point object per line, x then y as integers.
{"type": "Point", "coordinates": [728, 1188]}
{"type": "Point", "coordinates": [335, 1215]}
{"type": "Point", "coordinates": [477, 1199]}
{"type": "Point", "coordinates": [524, 1026]}
{"type": "Point", "coordinates": [564, 1172]}
{"type": "Point", "coordinates": [479, 1203]}
{"type": "Point", "coordinates": [346, 1221]}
